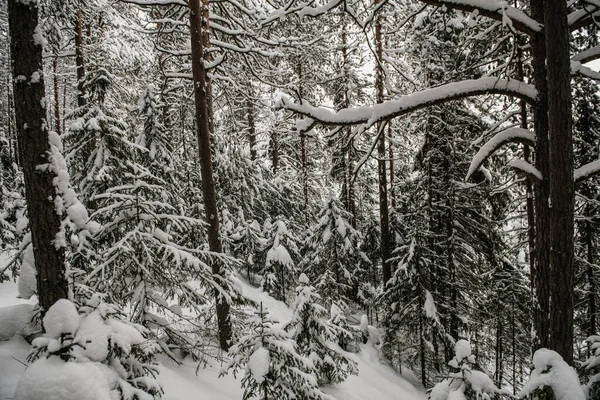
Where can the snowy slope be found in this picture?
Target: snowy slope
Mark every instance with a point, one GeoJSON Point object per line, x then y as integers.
{"type": "Point", "coordinates": [180, 382]}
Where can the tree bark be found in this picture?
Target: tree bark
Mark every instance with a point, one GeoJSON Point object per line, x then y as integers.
{"type": "Point", "coordinates": [199, 28]}
{"type": "Point", "coordinates": [34, 146]}
{"type": "Point", "coordinates": [562, 191]}
{"type": "Point", "coordinates": [381, 164]}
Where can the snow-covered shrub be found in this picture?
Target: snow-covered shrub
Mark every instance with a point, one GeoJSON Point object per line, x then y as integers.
{"type": "Point", "coordinates": [550, 370]}
{"type": "Point", "coordinates": [466, 384]}
{"type": "Point", "coordinates": [317, 337]}
{"type": "Point", "coordinates": [91, 354]}
{"type": "Point", "coordinates": [272, 367]}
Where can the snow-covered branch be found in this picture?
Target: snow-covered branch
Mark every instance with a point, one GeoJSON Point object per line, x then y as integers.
{"type": "Point", "coordinates": [370, 115]}
{"type": "Point", "coordinates": [526, 168]}
{"type": "Point", "coordinates": [587, 55]}
{"type": "Point", "coordinates": [511, 135]}
{"type": "Point", "coordinates": [494, 9]}
{"type": "Point", "coordinates": [578, 69]}
{"type": "Point", "coordinates": [587, 171]}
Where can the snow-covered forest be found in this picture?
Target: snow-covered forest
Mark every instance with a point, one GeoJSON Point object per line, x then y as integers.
{"type": "Point", "coordinates": [299, 199]}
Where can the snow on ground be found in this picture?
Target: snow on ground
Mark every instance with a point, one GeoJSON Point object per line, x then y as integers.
{"type": "Point", "coordinates": [180, 382]}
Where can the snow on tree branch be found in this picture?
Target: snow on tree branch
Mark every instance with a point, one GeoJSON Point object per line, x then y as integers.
{"type": "Point", "coordinates": [587, 55]}
{"type": "Point", "coordinates": [584, 16]}
{"type": "Point", "coordinates": [500, 139]}
{"type": "Point", "coordinates": [494, 9]}
{"type": "Point", "coordinates": [370, 115]}
{"type": "Point", "coordinates": [587, 171]}
{"type": "Point", "coordinates": [526, 168]}
{"type": "Point", "coordinates": [578, 68]}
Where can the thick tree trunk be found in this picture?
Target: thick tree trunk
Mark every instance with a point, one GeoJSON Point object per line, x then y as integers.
{"type": "Point", "coordinates": [34, 147]}
{"type": "Point", "coordinates": [201, 94]}
{"type": "Point", "coordinates": [562, 191]}
{"type": "Point", "coordinates": [79, 61]}
{"type": "Point", "coordinates": [381, 164]}
{"type": "Point", "coordinates": [541, 274]}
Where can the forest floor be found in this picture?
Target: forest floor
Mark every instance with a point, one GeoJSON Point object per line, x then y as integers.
{"type": "Point", "coordinates": [180, 382]}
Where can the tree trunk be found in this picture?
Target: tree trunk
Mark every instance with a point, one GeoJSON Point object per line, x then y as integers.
{"type": "Point", "coordinates": [56, 97]}
{"type": "Point", "coordinates": [562, 191]}
{"type": "Point", "coordinates": [541, 273]}
{"type": "Point", "coordinates": [381, 164]}
{"type": "Point", "coordinates": [251, 130]}
{"type": "Point", "coordinates": [34, 146]}
{"type": "Point", "coordinates": [201, 96]}
{"type": "Point", "coordinates": [79, 61]}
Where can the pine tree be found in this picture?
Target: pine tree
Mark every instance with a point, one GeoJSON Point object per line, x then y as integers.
{"type": "Point", "coordinates": [279, 257]}
{"type": "Point", "coordinates": [317, 337]}
{"type": "Point", "coordinates": [333, 257]}
{"type": "Point", "coordinates": [273, 369]}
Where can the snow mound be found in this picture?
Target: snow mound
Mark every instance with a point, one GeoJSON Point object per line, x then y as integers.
{"type": "Point", "coordinates": [551, 370]}
{"type": "Point", "coordinates": [14, 320]}
{"type": "Point", "coordinates": [61, 318]}
{"type": "Point", "coordinates": [53, 379]}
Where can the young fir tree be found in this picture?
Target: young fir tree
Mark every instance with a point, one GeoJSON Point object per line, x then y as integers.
{"type": "Point", "coordinates": [273, 368]}
{"type": "Point", "coordinates": [246, 242]}
{"type": "Point", "coordinates": [465, 383]}
{"type": "Point", "coordinates": [279, 257]}
{"type": "Point", "coordinates": [317, 337]}
{"type": "Point", "coordinates": [333, 257]}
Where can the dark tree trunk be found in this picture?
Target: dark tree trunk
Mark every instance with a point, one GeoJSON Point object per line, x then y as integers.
{"type": "Point", "coordinates": [56, 97]}
{"type": "Point", "coordinates": [541, 273]}
{"type": "Point", "coordinates": [251, 130]}
{"type": "Point", "coordinates": [562, 192]}
{"type": "Point", "coordinates": [381, 164]}
{"type": "Point", "coordinates": [79, 61]}
{"type": "Point", "coordinates": [34, 147]}
{"type": "Point", "coordinates": [202, 95]}
{"type": "Point", "coordinates": [589, 239]}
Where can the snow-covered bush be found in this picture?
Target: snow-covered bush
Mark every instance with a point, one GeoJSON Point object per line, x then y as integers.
{"type": "Point", "coordinates": [467, 384]}
{"type": "Point", "coordinates": [550, 370]}
{"type": "Point", "coordinates": [91, 354]}
{"type": "Point", "coordinates": [272, 367]}
{"type": "Point", "coordinates": [317, 337]}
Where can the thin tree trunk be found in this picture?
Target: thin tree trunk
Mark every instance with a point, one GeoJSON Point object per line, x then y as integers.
{"type": "Point", "coordinates": [381, 164]}
{"type": "Point", "coordinates": [562, 191]}
{"type": "Point", "coordinates": [56, 97]}
{"type": "Point", "coordinates": [34, 146]}
{"type": "Point", "coordinates": [251, 129]}
{"type": "Point", "coordinates": [201, 96]}
{"type": "Point", "coordinates": [79, 61]}
{"type": "Point", "coordinates": [591, 278]}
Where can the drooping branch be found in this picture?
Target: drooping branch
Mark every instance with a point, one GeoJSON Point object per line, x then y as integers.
{"type": "Point", "coordinates": [587, 55]}
{"type": "Point", "coordinates": [512, 135]}
{"type": "Point", "coordinates": [526, 169]}
{"type": "Point", "coordinates": [387, 110]}
{"type": "Point", "coordinates": [587, 171]}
